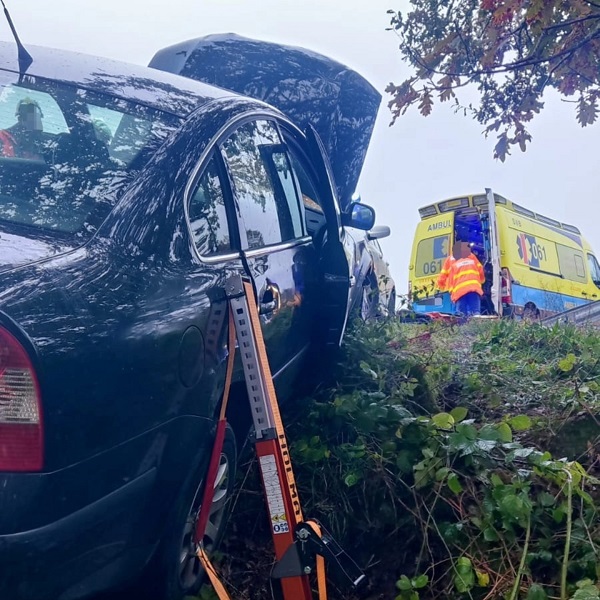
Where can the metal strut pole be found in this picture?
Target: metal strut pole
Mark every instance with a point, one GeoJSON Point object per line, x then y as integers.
{"type": "Point", "coordinates": [272, 450]}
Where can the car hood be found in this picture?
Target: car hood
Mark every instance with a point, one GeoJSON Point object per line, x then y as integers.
{"type": "Point", "coordinates": [308, 87]}
{"type": "Point", "coordinates": [17, 249]}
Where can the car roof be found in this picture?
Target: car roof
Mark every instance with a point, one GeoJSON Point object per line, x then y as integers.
{"type": "Point", "coordinates": [157, 89]}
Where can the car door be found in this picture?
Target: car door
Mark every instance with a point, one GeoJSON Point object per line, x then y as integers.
{"type": "Point", "coordinates": [277, 251]}
{"type": "Point", "coordinates": [334, 271]}
{"type": "Point", "coordinates": [210, 217]}
{"type": "Point", "coordinates": [332, 301]}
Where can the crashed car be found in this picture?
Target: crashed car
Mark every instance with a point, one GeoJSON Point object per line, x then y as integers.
{"type": "Point", "coordinates": [311, 89]}
{"type": "Point", "coordinates": [128, 197]}
{"type": "Point", "coordinates": [379, 290]}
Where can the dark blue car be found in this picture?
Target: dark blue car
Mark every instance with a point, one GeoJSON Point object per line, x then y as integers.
{"type": "Point", "coordinates": [127, 198]}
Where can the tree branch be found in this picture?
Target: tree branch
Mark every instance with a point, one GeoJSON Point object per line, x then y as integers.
{"type": "Point", "coordinates": [572, 22]}
{"type": "Point", "coordinates": [525, 62]}
{"type": "Point", "coordinates": [592, 3]}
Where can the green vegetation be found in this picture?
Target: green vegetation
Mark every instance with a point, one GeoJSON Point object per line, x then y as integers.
{"type": "Point", "coordinates": [450, 462]}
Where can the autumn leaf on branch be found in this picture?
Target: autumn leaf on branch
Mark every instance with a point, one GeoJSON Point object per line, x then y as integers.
{"type": "Point", "coordinates": [587, 110]}
{"type": "Point", "coordinates": [510, 51]}
{"type": "Point", "coordinates": [444, 85]}
{"type": "Point", "coordinates": [403, 96]}
{"type": "Point", "coordinates": [426, 103]}
{"type": "Point", "coordinates": [502, 148]}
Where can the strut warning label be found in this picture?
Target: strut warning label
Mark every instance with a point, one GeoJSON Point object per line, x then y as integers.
{"type": "Point", "coordinates": [272, 485]}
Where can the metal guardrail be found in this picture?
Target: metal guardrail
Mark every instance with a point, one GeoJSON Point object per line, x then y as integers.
{"type": "Point", "coordinates": [588, 314]}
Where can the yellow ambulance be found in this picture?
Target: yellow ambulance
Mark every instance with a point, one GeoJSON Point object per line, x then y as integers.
{"type": "Point", "coordinates": [534, 265]}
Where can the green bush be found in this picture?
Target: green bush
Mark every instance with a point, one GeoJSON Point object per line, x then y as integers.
{"type": "Point", "coordinates": [443, 505]}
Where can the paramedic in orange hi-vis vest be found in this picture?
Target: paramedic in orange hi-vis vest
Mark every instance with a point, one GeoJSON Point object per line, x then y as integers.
{"type": "Point", "coordinates": [464, 281]}
{"type": "Point", "coordinates": [442, 281]}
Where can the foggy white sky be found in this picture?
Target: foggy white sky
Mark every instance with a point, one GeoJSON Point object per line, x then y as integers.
{"type": "Point", "coordinates": [417, 161]}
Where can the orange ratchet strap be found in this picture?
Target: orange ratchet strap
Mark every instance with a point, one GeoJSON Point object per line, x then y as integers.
{"type": "Point", "coordinates": [218, 587]}
{"type": "Point", "coordinates": [209, 487]}
{"type": "Point", "coordinates": [298, 545]}
{"type": "Point", "coordinates": [320, 560]}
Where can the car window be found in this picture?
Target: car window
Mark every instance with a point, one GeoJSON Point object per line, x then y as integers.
{"type": "Point", "coordinates": [14, 96]}
{"type": "Point", "coordinates": [207, 214]}
{"type": "Point", "coordinates": [263, 183]}
{"type": "Point", "coordinates": [67, 154]}
{"type": "Point", "coordinates": [594, 269]}
{"type": "Point", "coordinates": [310, 198]}
{"type": "Point", "coordinates": [289, 209]}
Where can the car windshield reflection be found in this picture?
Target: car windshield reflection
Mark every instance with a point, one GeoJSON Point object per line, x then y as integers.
{"type": "Point", "coordinates": [67, 155]}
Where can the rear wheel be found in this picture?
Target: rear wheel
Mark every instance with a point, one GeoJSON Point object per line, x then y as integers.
{"type": "Point", "coordinates": [177, 571]}
{"type": "Point", "coordinates": [531, 312]}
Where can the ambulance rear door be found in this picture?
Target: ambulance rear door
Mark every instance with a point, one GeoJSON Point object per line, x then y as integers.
{"type": "Point", "coordinates": [432, 245]}
{"type": "Point", "coordinates": [496, 295]}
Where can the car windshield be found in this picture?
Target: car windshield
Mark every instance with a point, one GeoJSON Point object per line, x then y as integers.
{"type": "Point", "coordinates": [67, 154]}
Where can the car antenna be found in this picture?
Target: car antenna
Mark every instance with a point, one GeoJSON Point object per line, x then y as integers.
{"type": "Point", "coordinates": [25, 58]}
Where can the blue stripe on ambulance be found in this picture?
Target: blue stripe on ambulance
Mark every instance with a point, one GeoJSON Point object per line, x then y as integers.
{"type": "Point", "coordinates": [544, 299]}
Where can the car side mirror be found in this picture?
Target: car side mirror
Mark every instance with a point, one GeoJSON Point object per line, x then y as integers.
{"type": "Point", "coordinates": [359, 216]}
{"type": "Point", "coordinates": [379, 232]}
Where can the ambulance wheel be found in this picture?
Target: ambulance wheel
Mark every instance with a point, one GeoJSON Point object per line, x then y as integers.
{"type": "Point", "coordinates": [179, 573]}
{"type": "Point", "coordinates": [530, 312]}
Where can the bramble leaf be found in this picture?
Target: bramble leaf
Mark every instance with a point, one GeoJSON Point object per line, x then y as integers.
{"type": "Point", "coordinates": [536, 592]}
{"type": "Point", "coordinates": [520, 423]}
{"type": "Point", "coordinates": [459, 413]}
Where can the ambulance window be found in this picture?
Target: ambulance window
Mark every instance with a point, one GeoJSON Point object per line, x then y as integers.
{"type": "Point", "coordinates": [431, 253]}
{"type": "Point", "coordinates": [571, 262]}
{"type": "Point", "coordinates": [579, 266]}
{"type": "Point", "coordinates": [594, 269]}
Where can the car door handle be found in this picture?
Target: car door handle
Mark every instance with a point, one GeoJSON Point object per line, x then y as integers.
{"type": "Point", "coordinates": [264, 308]}
{"type": "Point", "coordinates": [270, 300]}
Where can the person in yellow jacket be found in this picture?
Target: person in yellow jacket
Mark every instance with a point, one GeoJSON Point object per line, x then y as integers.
{"type": "Point", "coordinates": [465, 276]}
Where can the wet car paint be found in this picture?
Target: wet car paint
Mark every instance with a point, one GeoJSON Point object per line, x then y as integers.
{"type": "Point", "coordinates": [110, 326]}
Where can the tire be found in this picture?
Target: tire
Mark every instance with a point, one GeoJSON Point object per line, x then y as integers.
{"type": "Point", "coordinates": [530, 312]}
{"type": "Point", "coordinates": [176, 571]}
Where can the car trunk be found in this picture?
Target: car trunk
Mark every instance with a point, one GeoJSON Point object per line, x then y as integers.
{"type": "Point", "coordinates": [18, 249]}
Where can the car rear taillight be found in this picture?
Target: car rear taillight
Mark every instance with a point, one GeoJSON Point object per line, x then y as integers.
{"type": "Point", "coordinates": [506, 287]}
{"type": "Point", "coordinates": [21, 431]}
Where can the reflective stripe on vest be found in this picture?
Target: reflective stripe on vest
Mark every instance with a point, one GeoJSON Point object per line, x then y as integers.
{"type": "Point", "coordinates": [466, 275]}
